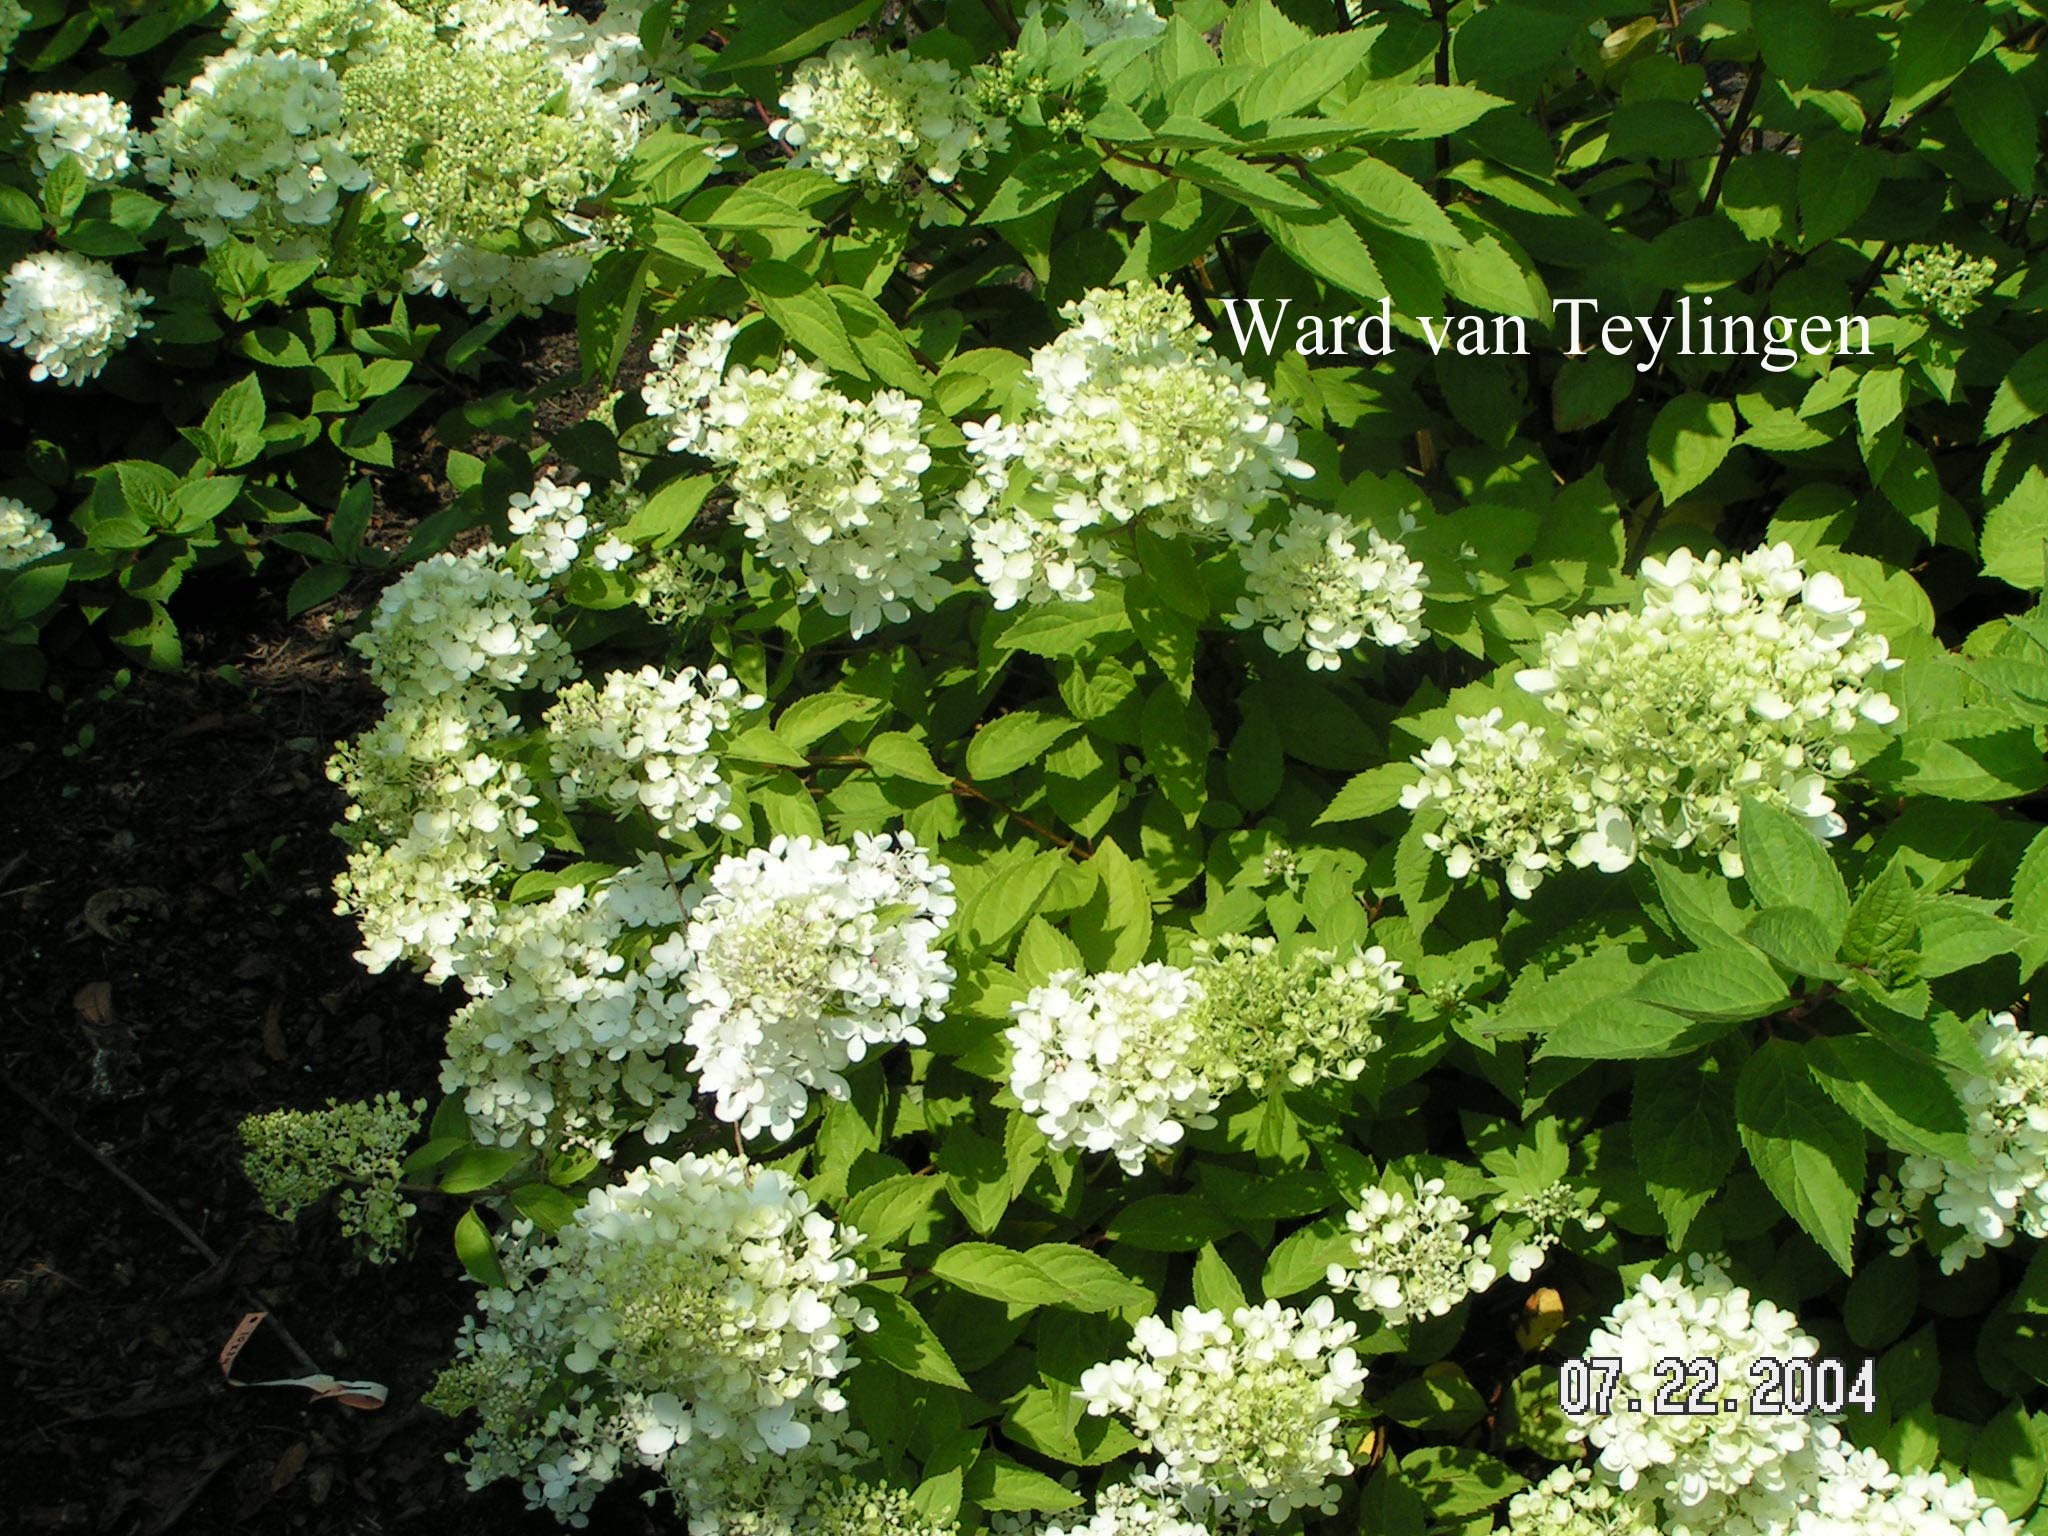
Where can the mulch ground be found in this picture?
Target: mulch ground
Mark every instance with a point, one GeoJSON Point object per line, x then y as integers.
{"type": "Point", "coordinates": [169, 963]}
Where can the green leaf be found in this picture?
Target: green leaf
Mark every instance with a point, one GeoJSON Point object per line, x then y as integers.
{"type": "Point", "coordinates": [1121, 931]}
{"type": "Point", "coordinates": [1419, 878]}
{"type": "Point", "coordinates": [1957, 932]}
{"type": "Point", "coordinates": [1794, 37]}
{"type": "Point", "coordinates": [760, 744]}
{"type": "Point", "coordinates": [1623, 1029]}
{"type": "Point", "coordinates": [903, 1339]}
{"type": "Point", "coordinates": [1788, 866]}
{"type": "Point", "coordinates": [995, 1482]}
{"type": "Point", "coordinates": [1838, 179]}
{"type": "Point", "coordinates": [2001, 121]}
{"type": "Point", "coordinates": [1169, 1223]}
{"type": "Point", "coordinates": [1884, 919]}
{"type": "Point", "coordinates": [1216, 1287]}
{"type": "Point", "coordinates": [1088, 1282]}
{"type": "Point", "coordinates": [1728, 982]}
{"type": "Point", "coordinates": [1980, 752]}
{"type": "Point", "coordinates": [1388, 111]}
{"type": "Point", "coordinates": [2015, 539]}
{"type": "Point", "coordinates": [805, 313]}
{"type": "Point", "coordinates": [2022, 397]}
{"type": "Point", "coordinates": [1453, 1481]}
{"type": "Point", "coordinates": [1937, 42]}
{"type": "Point", "coordinates": [1053, 1421]}
{"type": "Point", "coordinates": [1015, 740]}
{"type": "Point", "coordinates": [669, 513]}
{"type": "Point", "coordinates": [777, 31]}
{"type": "Point", "coordinates": [1688, 441]}
{"type": "Point", "coordinates": [890, 1210]}
{"type": "Point", "coordinates": [900, 755]}
{"type": "Point", "coordinates": [1911, 1108]}
{"type": "Point", "coordinates": [1050, 1275]}
{"type": "Point", "coordinates": [1175, 734]}
{"type": "Point", "coordinates": [312, 587]}
{"type": "Point", "coordinates": [545, 1206]}
{"type": "Point", "coordinates": [476, 1168]}
{"type": "Point", "coordinates": [1061, 629]}
{"type": "Point", "coordinates": [2030, 904]}
{"type": "Point", "coordinates": [2009, 1460]}
{"type": "Point", "coordinates": [1001, 907]}
{"type": "Point", "coordinates": [1804, 1146]}
{"type": "Point", "coordinates": [1375, 192]}
{"type": "Point", "coordinates": [1303, 1258]}
{"type": "Point", "coordinates": [977, 1179]}
{"type": "Point", "coordinates": [1044, 952]}
{"type": "Point", "coordinates": [1327, 247]}
{"type": "Point", "coordinates": [1797, 940]}
{"type": "Point", "coordinates": [1368, 793]}
{"type": "Point", "coordinates": [607, 308]}
{"type": "Point", "coordinates": [1682, 1128]}
{"type": "Point", "coordinates": [478, 1254]}
{"type": "Point", "coordinates": [1166, 633]}
{"type": "Point", "coordinates": [1040, 178]}
{"type": "Point", "coordinates": [1698, 904]}
{"type": "Point", "coordinates": [1251, 185]}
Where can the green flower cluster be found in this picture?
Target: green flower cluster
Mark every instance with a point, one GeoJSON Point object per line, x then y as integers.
{"type": "Point", "coordinates": [295, 1157]}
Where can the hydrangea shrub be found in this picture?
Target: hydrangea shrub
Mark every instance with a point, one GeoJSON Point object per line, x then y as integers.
{"type": "Point", "coordinates": [1062, 918]}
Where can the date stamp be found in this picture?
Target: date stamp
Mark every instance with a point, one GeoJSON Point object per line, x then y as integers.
{"type": "Point", "coordinates": [1691, 1387]}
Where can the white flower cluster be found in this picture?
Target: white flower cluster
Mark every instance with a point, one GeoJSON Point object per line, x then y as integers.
{"type": "Point", "coordinates": [2002, 1191]}
{"type": "Point", "coordinates": [1124, 1510]}
{"type": "Point", "coordinates": [563, 1039]}
{"type": "Point", "coordinates": [1102, 21]}
{"type": "Point", "coordinates": [860, 113]}
{"type": "Point", "coordinates": [684, 366]}
{"type": "Point", "coordinates": [548, 525]}
{"type": "Point", "coordinates": [1414, 1255]}
{"type": "Point", "coordinates": [1307, 1018]}
{"type": "Point", "coordinates": [644, 741]}
{"type": "Point", "coordinates": [68, 313]}
{"type": "Point", "coordinates": [1310, 587]}
{"type": "Point", "coordinates": [23, 535]}
{"type": "Point", "coordinates": [1506, 800]}
{"type": "Point", "coordinates": [1126, 1061]}
{"type": "Point", "coordinates": [437, 818]}
{"type": "Point", "coordinates": [699, 1308]}
{"type": "Point", "coordinates": [1133, 417]}
{"type": "Point", "coordinates": [1734, 1472]}
{"type": "Point", "coordinates": [254, 146]}
{"type": "Point", "coordinates": [803, 956]}
{"type": "Point", "coordinates": [1548, 1212]}
{"type": "Point", "coordinates": [461, 622]}
{"type": "Point", "coordinates": [1569, 1502]}
{"type": "Point", "coordinates": [828, 489]}
{"type": "Point", "coordinates": [1735, 678]}
{"type": "Point", "coordinates": [1245, 1411]}
{"type": "Point", "coordinates": [91, 128]}
{"type": "Point", "coordinates": [314, 29]}
{"type": "Point", "coordinates": [13, 17]}
{"type": "Point", "coordinates": [478, 126]}
{"type": "Point", "coordinates": [1106, 1063]}
{"type": "Point", "coordinates": [1694, 1312]}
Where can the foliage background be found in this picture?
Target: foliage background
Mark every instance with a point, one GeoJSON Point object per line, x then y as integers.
{"type": "Point", "coordinates": [1108, 785]}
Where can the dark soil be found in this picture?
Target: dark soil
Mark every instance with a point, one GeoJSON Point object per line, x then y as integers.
{"type": "Point", "coordinates": [170, 962]}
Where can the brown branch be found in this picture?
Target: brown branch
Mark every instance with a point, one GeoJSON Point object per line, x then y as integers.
{"type": "Point", "coordinates": [967, 791]}
{"type": "Point", "coordinates": [1731, 138]}
{"type": "Point", "coordinates": [1004, 17]}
